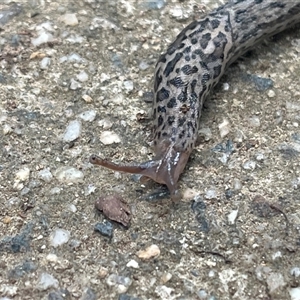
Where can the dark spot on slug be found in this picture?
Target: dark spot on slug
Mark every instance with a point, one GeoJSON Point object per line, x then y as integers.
{"type": "Point", "coordinates": [188, 70]}
{"type": "Point", "coordinates": [220, 41]}
{"type": "Point", "coordinates": [239, 15]}
{"type": "Point", "coordinates": [181, 46]}
{"type": "Point", "coordinates": [205, 78]}
{"type": "Point", "coordinates": [154, 113]}
{"type": "Point", "coordinates": [171, 64]}
{"type": "Point", "coordinates": [217, 71]}
{"type": "Point", "coordinates": [205, 40]}
{"type": "Point", "coordinates": [191, 126]}
{"type": "Point", "coordinates": [227, 29]}
{"type": "Point", "coordinates": [215, 23]}
{"type": "Point", "coordinates": [194, 41]}
{"type": "Point", "coordinates": [181, 134]}
{"type": "Point", "coordinates": [158, 135]}
{"type": "Point", "coordinates": [162, 95]}
{"type": "Point", "coordinates": [171, 103]}
{"type": "Point", "coordinates": [202, 26]}
{"type": "Point", "coordinates": [171, 120]}
{"type": "Point", "coordinates": [200, 53]}
{"type": "Point", "coordinates": [204, 65]}
{"type": "Point", "coordinates": [193, 85]}
{"type": "Point", "coordinates": [161, 109]}
{"type": "Point", "coordinates": [187, 49]}
{"type": "Point", "coordinates": [182, 97]}
{"type": "Point", "coordinates": [277, 4]}
{"type": "Point", "coordinates": [160, 121]}
{"type": "Point", "coordinates": [181, 121]}
{"type": "Point", "coordinates": [177, 82]}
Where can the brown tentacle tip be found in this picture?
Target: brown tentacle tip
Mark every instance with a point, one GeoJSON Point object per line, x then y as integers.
{"type": "Point", "coordinates": [92, 158]}
{"type": "Point", "coordinates": [96, 160]}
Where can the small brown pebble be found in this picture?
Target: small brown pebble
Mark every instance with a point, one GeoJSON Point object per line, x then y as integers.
{"type": "Point", "coordinates": [102, 272]}
{"type": "Point", "coordinates": [115, 208]}
{"type": "Point", "coordinates": [6, 220]}
{"type": "Point", "coordinates": [262, 208]}
{"type": "Point", "coordinates": [149, 252]}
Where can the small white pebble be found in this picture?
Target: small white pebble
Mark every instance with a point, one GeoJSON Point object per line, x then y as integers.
{"type": "Point", "coordinates": [42, 38]}
{"type": "Point", "coordinates": [249, 165]}
{"type": "Point", "coordinates": [72, 208]}
{"type": "Point", "coordinates": [59, 237]}
{"type": "Point", "coordinates": [68, 174]}
{"type": "Point", "coordinates": [295, 272]}
{"type": "Point", "coordinates": [74, 85]}
{"type": "Point", "coordinates": [295, 293]}
{"type": "Point", "coordinates": [271, 94]}
{"type": "Point", "coordinates": [88, 115]}
{"type": "Point", "coordinates": [7, 129]}
{"type": "Point", "coordinates": [232, 216]}
{"type": "Point", "coordinates": [87, 98]}
{"type": "Point", "coordinates": [206, 133]}
{"type": "Point", "coordinates": [254, 121]}
{"type": "Point", "coordinates": [210, 194]}
{"type": "Point", "coordinates": [82, 76]}
{"type": "Point", "coordinates": [226, 86]}
{"type": "Point", "coordinates": [176, 12]}
{"type": "Point", "coordinates": [69, 19]}
{"type": "Point", "coordinates": [23, 174]}
{"type": "Point", "coordinates": [224, 128]}
{"type": "Point", "coordinates": [128, 85]}
{"type": "Point", "coordinates": [72, 131]}
{"type": "Point", "coordinates": [46, 281]}
{"type": "Point", "coordinates": [104, 77]}
{"type": "Point", "coordinates": [105, 123]}
{"type": "Point", "coordinates": [237, 185]}
{"type": "Point", "coordinates": [260, 156]}
{"type": "Point", "coordinates": [211, 273]}
{"type": "Point", "coordinates": [165, 277]}
{"type": "Point", "coordinates": [51, 257]}
{"type": "Point", "coordinates": [45, 63]}
{"type": "Point", "coordinates": [45, 175]}
{"type": "Point", "coordinates": [109, 137]}
{"type": "Point", "coordinates": [132, 264]}
{"type": "Point", "coordinates": [276, 255]}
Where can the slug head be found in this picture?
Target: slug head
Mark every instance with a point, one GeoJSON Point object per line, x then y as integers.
{"type": "Point", "coordinates": [165, 169]}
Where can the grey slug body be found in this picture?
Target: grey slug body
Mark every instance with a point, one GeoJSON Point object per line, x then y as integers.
{"type": "Point", "coordinates": [191, 67]}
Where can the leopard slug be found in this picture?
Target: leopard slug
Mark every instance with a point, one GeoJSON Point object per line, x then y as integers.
{"type": "Point", "coordinates": [192, 65]}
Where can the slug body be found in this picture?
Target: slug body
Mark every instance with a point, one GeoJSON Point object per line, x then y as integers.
{"type": "Point", "coordinates": [191, 67]}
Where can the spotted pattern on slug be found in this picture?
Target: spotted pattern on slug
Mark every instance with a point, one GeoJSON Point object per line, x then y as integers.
{"type": "Point", "coordinates": [195, 61]}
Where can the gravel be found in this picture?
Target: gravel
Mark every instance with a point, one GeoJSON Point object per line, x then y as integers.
{"type": "Point", "coordinates": [72, 79]}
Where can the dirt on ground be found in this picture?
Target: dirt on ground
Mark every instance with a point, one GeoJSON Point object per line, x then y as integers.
{"type": "Point", "coordinates": [75, 77]}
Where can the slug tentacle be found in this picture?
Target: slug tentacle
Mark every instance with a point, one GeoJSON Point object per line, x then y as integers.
{"type": "Point", "coordinates": [165, 169]}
